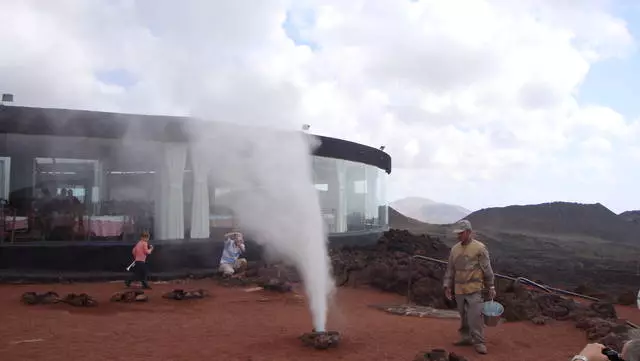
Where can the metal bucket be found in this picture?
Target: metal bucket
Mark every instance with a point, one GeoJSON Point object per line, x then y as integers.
{"type": "Point", "coordinates": [491, 312]}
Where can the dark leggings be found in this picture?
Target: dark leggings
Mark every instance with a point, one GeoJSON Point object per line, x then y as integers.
{"type": "Point", "coordinates": [139, 274]}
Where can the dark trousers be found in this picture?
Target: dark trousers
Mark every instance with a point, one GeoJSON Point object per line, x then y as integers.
{"type": "Point", "coordinates": [139, 274]}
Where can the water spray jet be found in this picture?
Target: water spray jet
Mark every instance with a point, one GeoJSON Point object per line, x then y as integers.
{"type": "Point", "coordinates": [271, 192]}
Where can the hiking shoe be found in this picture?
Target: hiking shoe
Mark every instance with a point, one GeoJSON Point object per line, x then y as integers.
{"type": "Point", "coordinates": [463, 342]}
{"type": "Point", "coordinates": [480, 348]}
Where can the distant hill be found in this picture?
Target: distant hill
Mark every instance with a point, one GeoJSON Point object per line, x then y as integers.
{"type": "Point", "coordinates": [583, 242]}
{"type": "Point", "coordinates": [400, 221]}
{"type": "Point", "coordinates": [557, 218]}
{"type": "Point", "coordinates": [426, 210]}
{"type": "Point", "coordinates": [631, 216]}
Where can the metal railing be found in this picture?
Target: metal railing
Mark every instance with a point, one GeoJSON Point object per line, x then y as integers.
{"type": "Point", "coordinates": [498, 275]}
{"type": "Point", "coordinates": [522, 280]}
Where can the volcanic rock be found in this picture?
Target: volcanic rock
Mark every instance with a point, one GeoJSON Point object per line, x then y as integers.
{"type": "Point", "coordinates": [30, 298]}
{"type": "Point", "coordinates": [79, 300]}
{"type": "Point", "coordinates": [235, 282]}
{"type": "Point", "coordinates": [33, 298]}
{"type": "Point", "coordinates": [321, 340]}
{"type": "Point", "coordinates": [611, 333]}
{"type": "Point", "coordinates": [278, 271]}
{"type": "Point", "coordinates": [129, 296]}
{"type": "Point", "coordinates": [179, 294]}
{"type": "Point", "coordinates": [454, 357]}
{"type": "Point", "coordinates": [598, 319]}
{"type": "Point", "coordinates": [627, 298]}
{"type": "Point", "coordinates": [438, 355]}
{"type": "Point", "coordinates": [541, 320]}
{"type": "Point", "coordinates": [276, 285]}
{"type": "Point", "coordinates": [387, 266]}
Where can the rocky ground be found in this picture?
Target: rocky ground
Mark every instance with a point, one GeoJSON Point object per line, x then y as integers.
{"type": "Point", "coordinates": [386, 266]}
{"type": "Point", "coordinates": [237, 323]}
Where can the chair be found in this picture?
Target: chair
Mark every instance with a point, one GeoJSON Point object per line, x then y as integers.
{"type": "Point", "coordinates": [34, 231]}
{"type": "Point", "coordinates": [7, 221]}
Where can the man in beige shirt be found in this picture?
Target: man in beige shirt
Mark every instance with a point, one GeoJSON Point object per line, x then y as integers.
{"type": "Point", "coordinates": [468, 273]}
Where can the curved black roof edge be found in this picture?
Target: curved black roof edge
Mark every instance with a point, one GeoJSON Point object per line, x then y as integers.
{"type": "Point", "coordinates": [355, 152]}
{"type": "Point", "coordinates": [96, 124]}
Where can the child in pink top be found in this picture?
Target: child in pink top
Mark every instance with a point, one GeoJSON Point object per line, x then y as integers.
{"type": "Point", "coordinates": [140, 252]}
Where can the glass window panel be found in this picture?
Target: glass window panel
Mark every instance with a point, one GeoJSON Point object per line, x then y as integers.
{"type": "Point", "coordinates": [119, 178]}
{"type": "Point", "coordinates": [352, 195]}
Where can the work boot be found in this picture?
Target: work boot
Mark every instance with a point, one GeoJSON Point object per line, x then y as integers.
{"type": "Point", "coordinates": [463, 342]}
{"type": "Point", "coordinates": [480, 348]}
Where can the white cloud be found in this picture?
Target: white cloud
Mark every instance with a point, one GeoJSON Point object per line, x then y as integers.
{"type": "Point", "coordinates": [474, 99]}
{"type": "Point", "coordinates": [597, 145]}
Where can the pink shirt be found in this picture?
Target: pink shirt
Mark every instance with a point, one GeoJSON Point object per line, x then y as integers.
{"type": "Point", "coordinates": [140, 251]}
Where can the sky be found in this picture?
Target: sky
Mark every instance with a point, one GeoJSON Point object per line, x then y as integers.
{"type": "Point", "coordinates": [480, 103]}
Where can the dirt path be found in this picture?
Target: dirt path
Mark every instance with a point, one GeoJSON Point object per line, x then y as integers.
{"type": "Point", "coordinates": [236, 325]}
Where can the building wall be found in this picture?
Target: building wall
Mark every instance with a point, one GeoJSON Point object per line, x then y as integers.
{"type": "Point", "coordinates": [115, 188]}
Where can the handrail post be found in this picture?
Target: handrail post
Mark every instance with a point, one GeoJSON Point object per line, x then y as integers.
{"type": "Point", "coordinates": [409, 283]}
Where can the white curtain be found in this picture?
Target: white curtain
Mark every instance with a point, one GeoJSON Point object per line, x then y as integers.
{"type": "Point", "coordinates": [158, 201]}
{"type": "Point", "coordinates": [341, 210]}
{"type": "Point", "coordinates": [98, 186]}
{"type": "Point", "coordinates": [200, 204]}
{"type": "Point", "coordinates": [4, 177]}
{"type": "Point", "coordinates": [171, 202]}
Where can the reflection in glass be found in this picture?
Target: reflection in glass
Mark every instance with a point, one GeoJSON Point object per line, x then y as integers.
{"type": "Point", "coordinates": [352, 195]}
{"type": "Point", "coordinates": [381, 199]}
{"type": "Point", "coordinates": [66, 194]}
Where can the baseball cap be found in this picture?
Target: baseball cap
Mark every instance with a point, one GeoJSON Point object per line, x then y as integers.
{"type": "Point", "coordinates": [462, 226]}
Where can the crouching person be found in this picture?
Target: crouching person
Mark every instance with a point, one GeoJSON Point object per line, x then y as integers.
{"type": "Point", "coordinates": [230, 262]}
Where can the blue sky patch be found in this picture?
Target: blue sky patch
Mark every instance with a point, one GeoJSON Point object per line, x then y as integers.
{"type": "Point", "coordinates": [119, 77]}
{"type": "Point", "coordinates": [295, 24]}
{"type": "Point", "coordinates": [616, 82]}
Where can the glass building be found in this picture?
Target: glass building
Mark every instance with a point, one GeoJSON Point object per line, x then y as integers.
{"type": "Point", "coordinates": [70, 176]}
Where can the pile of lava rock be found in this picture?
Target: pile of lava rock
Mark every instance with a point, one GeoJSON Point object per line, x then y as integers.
{"type": "Point", "coordinates": [73, 299]}
{"type": "Point", "coordinates": [180, 294]}
{"type": "Point", "coordinates": [626, 297]}
{"type": "Point", "coordinates": [386, 266]}
{"type": "Point", "coordinates": [438, 355]}
{"type": "Point", "coordinates": [321, 340]}
{"type": "Point", "coordinates": [598, 319]}
{"type": "Point", "coordinates": [271, 277]}
{"type": "Point", "coordinates": [129, 296]}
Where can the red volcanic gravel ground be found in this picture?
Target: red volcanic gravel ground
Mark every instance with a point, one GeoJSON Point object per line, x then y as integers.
{"type": "Point", "coordinates": [237, 325]}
